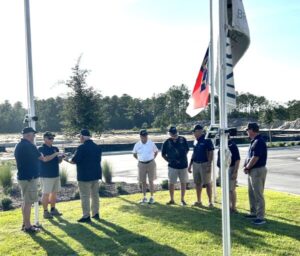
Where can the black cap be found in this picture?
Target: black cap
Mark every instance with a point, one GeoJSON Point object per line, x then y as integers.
{"type": "Point", "coordinates": [143, 132]}
{"type": "Point", "coordinates": [173, 130]}
{"type": "Point", "coordinates": [49, 134]}
{"type": "Point", "coordinates": [85, 132]}
{"type": "Point", "coordinates": [28, 130]}
{"type": "Point", "coordinates": [198, 127]}
{"type": "Point", "coordinates": [252, 126]}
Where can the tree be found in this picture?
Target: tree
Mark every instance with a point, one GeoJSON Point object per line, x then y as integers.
{"type": "Point", "coordinates": [267, 117]}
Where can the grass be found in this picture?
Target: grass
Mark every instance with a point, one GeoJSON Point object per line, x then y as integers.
{"type": "Point", "coordinates": [128, 228]}
{"type": "Point", "coordinates": [5, 176]}
{"type": "Point", "coordinates": [107, 171]}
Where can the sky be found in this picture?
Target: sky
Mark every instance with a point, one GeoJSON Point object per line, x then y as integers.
{"type": "Point", "coordinates": [143, 47]}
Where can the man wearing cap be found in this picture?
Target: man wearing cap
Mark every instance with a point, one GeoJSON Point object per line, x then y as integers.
{"type": "Point", "coordinates": [174, 151]}
{"type": "Point", "coordinates": [201, 160]}
{"type": "Point", "coordinates": [27, 158]}
{"type": "Point", "coordinates": [49, 176]}
{"type": "Point", "coordinates": [145, 151]}
{"type": "Point", "coordinates": [255, 167]}
{"type": "Point", "coordinates": [88, 162]}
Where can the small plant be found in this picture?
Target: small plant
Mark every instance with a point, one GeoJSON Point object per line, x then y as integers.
{"type": "Point", "coordinates": [76, 195]}
{"type": "Point", "coordinates": [107, 171]}
{"type": "Point", "coordinates": [5, 176]}
{"type": "Point", "coordinates": [6, 203]}
{"type": "Point", "coordinates": [298, 143]}
{"type": "Point", "coordinates": [121, 190]}
{"type": "Point", "coordinates": [165, 184]}
{"type": "Point", "coordinates": [63, 177]}
{"type": "Point", "coordinates": [102, 190]}
{"type": "Point", "coordinates": [281, 144]}
{"type": "Point", "coordinates": [292, 143]}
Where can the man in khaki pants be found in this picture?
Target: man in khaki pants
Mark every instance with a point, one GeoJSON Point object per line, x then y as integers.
{"type": "Point", "coordinates": [88, 162]}
{"type": "Point", "coordinates": [255, 167]}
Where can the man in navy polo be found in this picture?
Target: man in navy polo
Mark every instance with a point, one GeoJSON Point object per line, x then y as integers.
{"type": "Point", "coordinates": [255, 167]}
{"type": "Point", "coordinates": [201, 162]}
{"type": "Point", "coordinates": [27, 158]}
{"type": "Point", "coordinates": [88, 162]}
{"type": "Point", "coordinates": [49, 176]}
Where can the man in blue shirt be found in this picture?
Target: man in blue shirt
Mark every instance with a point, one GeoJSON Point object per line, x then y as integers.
{"type": "Point", "coordinates": [88, 162]}
{"type": "Point", "coordinates": [27, 158]}
{"type": "Point", "coordinates": [255, 167]}
{"type": "Point", "coordinates": [174, 151]}
{"type": "Point", "coordinates": [201, 163]}
{"type": "Point", "coordinates": [49, 176]}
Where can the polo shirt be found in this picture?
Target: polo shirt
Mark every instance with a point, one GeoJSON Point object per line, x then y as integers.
{"type": "Point", "coordinates": [235, 153]}
{"type": "Point", "coordinates": [145, 151]}
{"type": "Point", "coordinates": [88, 161]}
{"type": "Point", "coordinates": [258, 147]}
{"type": "Point", "coordinates": [176, 152]}
{"type": "Point", "coordinates": [49, 169]}
{"type": "Point", "coordinates": [200, 149]}
{"type": "Point", "coordinates": [26, 155]}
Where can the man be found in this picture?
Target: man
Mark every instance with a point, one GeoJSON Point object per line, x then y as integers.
{"type": "Point", "coordinates": [255, 167]}
{"type": "Point", "coordinates": [232, 172]}
{"type": "Point", "coordinates": [145, 151]}
{"type": "Point", "coordinates": [27, 158]}
{"type": "Point", "coordinates": [174, 151]}
{"type": "Point", "coordinates": [201, 162]}
{"type": "Point", "coordinates": [88, 162]}
{"type": "Point", "coordinates": [49, 176]}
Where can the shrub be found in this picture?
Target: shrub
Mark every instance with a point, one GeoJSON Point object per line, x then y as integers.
{"type": "Point", "coordinates": [6, 203]}
{"type": "Point", "coordinates": [298, 143]}
{"type": "Point", "coordinates": [76, 195]}
{"type": "Point", "coordinates": [5, 176]}
{"type": "Point", "coordinates": [63, 177]}
{"type": "Point", "coordinates": [103, 191]}
{"type": "Point", "coordinates": [121, 190]}
{"type": "Point", "coordinates": [292, 143]}
{"type": "Point", "coordinates": [165, 184]}
{"type": "Point", "coordinates": [281, 144]}
{"type": "Point", "coordinates": [107, 171]}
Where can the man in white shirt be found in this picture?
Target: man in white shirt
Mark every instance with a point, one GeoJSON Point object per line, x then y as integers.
{"type": "Point", "coordinates": [145, 152]}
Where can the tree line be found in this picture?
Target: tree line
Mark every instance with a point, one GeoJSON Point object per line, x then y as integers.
{"type": "Point", "coordinates": [86, 107]}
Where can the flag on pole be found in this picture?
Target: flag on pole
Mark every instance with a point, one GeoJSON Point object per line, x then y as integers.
{"type": "Point", "coordinates": [200, 95]}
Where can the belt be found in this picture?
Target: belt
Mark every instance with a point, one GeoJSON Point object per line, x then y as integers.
{"type": "Point", "coordinates": [197, 162]}
{"type": "Point", "coordinates": [147, 162]}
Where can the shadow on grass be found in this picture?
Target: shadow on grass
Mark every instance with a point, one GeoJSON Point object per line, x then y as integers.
{"type": "Point", "coordinates": [210, 220]}
{"type": "Point", "coordinates": [106, 238]}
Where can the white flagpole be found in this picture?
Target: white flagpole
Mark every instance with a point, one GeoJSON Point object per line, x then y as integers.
{"type": "Point", "coordinates": [30, 95]}
{"type": "Point", "coordinates": [212, 94]}
{"type": "Point", "coordinates": [223, 126]}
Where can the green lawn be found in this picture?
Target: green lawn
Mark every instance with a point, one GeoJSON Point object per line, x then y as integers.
{"type": "Point", "coordinates": [131, 229]}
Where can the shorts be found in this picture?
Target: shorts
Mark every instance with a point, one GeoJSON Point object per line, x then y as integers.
{"type": "Point", "coordinates": [50, 185]}
{"type": "Point", "coordinates": [232, 183]}
{"type": "Point", "coordinates": [145, 170]}
{"type": "Point", "coordinates": [201, 173]}
{"type": "Point", "coordinates": [29, 189]}
{"type": "Point", "coordinates": [174, 174]}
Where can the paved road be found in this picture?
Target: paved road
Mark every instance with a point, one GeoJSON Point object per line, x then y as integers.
{"type": "Point", "coordinates": [283, 169]}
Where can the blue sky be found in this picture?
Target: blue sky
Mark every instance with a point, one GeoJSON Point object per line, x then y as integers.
{"type": "Point", "coordinates": [142, 47]}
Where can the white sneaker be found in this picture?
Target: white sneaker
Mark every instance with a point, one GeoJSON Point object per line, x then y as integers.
{"type": "Point", "coordinates": [151, 200]}
{"type": "Point", "coordinates": [144, 201]}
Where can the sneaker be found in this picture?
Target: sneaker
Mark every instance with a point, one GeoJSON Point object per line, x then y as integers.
{"type": "Point", "coordinates": [55, 212]}
{"type": "Point", "coordinates": [151, 200]}
{"type": "Point", "coordinates": [235, 211]}
{"type": "Point", "coordinates": [183, 203]}
{"type": "Point", "coordinates": [31, 230]}
{"type": "Point", "coordinates": [170, 202]}
{"type": "Point", "coordinates": [47, 215]}
{"type": "Point", "coordinates": [211, 205]}
{"type": "Point", "coordinates": [250, 216]}
{"type": "Point", "coordinates": [96, 216]}
{"type": "Point", "coordinates": [84, 220]}
{"type": "Point", "coordinates": [143, 201]}
{"type": "Point", "coordinates": [259, 222]}
{"type": "Point", "coordinates": [197, 204]}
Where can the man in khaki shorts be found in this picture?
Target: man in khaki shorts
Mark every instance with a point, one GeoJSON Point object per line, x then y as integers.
{"type": "Point", "coordinates": [174, 151]}
{"type": "Point", "coordinates": [49, 176]}
{"type": "Point", "coordinates": [201, 163]}
{"type": "Point", "coordinates": [145, 151]}
{"type": "Point", "coordinates": [27, 158]}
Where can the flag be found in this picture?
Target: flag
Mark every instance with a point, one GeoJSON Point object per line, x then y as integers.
{"type": "Point", "coordinates": [200, 95]}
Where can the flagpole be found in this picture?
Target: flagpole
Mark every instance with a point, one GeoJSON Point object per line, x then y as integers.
{"type": "Point", "coordinates": [30, 95]}
{"type": "Point", "coordinates": [212, 94]}
{"type": "Point", "coordinates": [223, 126]}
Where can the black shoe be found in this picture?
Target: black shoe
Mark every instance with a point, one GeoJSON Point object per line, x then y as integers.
{"type": "Point", "coordinates": [84, 220]}
{"type": "Point", "coordinates": [250, 216]}
{"type": "Point", "coordinates": [259, 222]}
{"type": "Point", "coordinates": [170, 202]}
{"type": "Point", "coordinates": [96, 216]}
{"type": "Point", "coordinates": [183, 203]}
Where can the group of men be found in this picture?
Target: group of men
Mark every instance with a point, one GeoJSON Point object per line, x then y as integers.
{"type": "Point", "coordinates": [43, 163]}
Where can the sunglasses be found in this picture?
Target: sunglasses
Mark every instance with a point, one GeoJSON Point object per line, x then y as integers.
{"type": "Point", "coordinates": [51, 138]}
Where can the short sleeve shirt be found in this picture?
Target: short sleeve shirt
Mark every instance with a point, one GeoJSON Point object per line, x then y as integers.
{"type": "Point", "coordinates": [258, 148]}
{"type": "Point", "coordinates": [27, 155]}
{"type": "Point", "coordinates": [200, 149]}
{"type": "Point", "coordinates": [145, 151]}
{"type": "Point", "coordinates": [49, 169]}
{"type": "Point", "coordinates": [235, 154]}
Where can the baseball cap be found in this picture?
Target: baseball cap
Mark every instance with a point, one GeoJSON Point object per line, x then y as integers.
{"type": "Point", "coordinates": [143, 132]}
{"type": "Point", "coordinates": [198, 127]}
{"type": "Point", "coordinates": [173, 130]}
{"type": "Point", "coordinates": [49, 134]}
{"type": "Point", "coordinates": [85, 132]}
{"type": "Point", "coordinates": [252, 126]}
{"type": "Point", "coordinates": [28, 130]}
